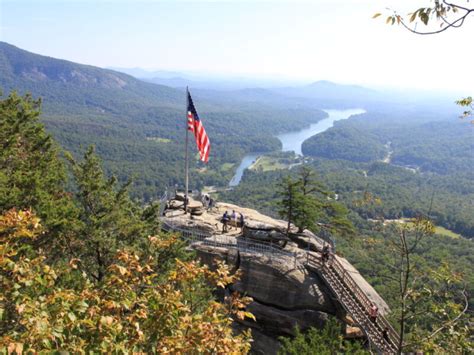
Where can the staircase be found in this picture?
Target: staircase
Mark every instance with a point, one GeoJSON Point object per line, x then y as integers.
{"type": "Point", "coordinates": [355, 302]}
{"type": "Point", "coordinates": [340, 282]}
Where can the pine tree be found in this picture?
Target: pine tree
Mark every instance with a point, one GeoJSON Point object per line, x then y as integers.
{"type": "Point", "coordinates": [109, 219]}
{"type": "Point", "coordinates": [32, 176]}
{"type": "Point", "coordinates": [307, 205]}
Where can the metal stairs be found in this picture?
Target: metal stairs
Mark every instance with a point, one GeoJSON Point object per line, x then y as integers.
{"type": "Point", "coordinates": [356, 303]}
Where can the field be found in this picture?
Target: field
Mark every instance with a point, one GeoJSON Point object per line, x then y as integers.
{"type": "Point", "coordinates": [267, 163]}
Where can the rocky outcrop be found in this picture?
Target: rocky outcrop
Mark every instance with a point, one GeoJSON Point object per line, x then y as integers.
{"type": "Point", "coordinates": [280, 284]}
{"type": "Point", "coordinates": [272, 320]}
{"type": "Point", "coordinates": [285, 293]}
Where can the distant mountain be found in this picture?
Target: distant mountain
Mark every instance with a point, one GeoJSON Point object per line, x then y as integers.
{"type": "Point", "coordinates": [60, 80]}
{"type": "Point", "coordinates": [139, 127]}
{"type": "Point", "coordinates": [141, 73]}
{"type": "Point", "coordinates": [329, 94]}
{"type": "Point", "coordinates": [206, 81]}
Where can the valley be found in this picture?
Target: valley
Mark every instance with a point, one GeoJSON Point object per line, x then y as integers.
{"type": "Point", "coordinates": [384, 162]}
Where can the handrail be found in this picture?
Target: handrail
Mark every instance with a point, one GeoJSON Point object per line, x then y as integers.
{"type": "Point", "coordinates": [362, 298]}
{"type": "Point", "coordinates": [240, 243]}
{"type": "Point", "coordinates": [262, 247]}
{"type": "Point", "coordinates": [357, 312]}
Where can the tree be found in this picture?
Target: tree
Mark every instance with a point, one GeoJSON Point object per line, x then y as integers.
{"type": "Point", "coordinates": [326, 341]}
{"type": "Point", "coordinates": [430, 307]}
{"type": "Point", "coordinates": [289, 194]}
{"type": "Point", "coordinates": [108, 218]}
{"type": "Point", "coordinates": [31, 172]}
{"type": "Point", "coordinates": [307, 205]}
{"type": "Point", "coordinates": [56, 308]}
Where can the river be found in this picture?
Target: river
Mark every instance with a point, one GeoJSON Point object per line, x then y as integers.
{"type": "Point", "coordinates": [292, 141]}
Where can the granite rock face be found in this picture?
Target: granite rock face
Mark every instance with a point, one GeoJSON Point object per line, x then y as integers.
{"type": "Point", "coordinates": [285, 293]}
{"type": "Point", "coordinates": [284, 296]}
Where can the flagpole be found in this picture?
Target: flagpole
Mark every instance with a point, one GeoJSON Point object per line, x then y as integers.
{"type": "Point", "coordinates": [186, 168]}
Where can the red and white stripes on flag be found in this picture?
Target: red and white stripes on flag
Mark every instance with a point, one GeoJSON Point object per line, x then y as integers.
{"type": "Point", "coordinates": [195, 126]}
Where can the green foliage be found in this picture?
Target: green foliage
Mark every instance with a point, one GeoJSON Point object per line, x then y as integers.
{"type": "Point", "coordinates": [350, 143]}
{"type": "Point", "coordinates": [305, 203]}
{"type": "Point", "coordinates": [426, 157]}
{"type": "Point", "coordinates": [289, 193]}
{"type": "Point", "coordinates": [136, 308]}
{"type": "Point", "coordinates": [383, 191]}
{"type": "Point", "coordinates": [31, 173]}
{"type": "Point", "coordinates": [326, 341]}
{"type": "Point", "coordinates": [85, 105]}
{"type": "Point", "coordinates": [428, 299]}
{"type": "Point", "coordinates": [108, 219]}
{"type": "Point", "coordinates": [105, 280]}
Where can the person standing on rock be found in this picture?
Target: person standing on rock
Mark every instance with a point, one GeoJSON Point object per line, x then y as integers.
{"type": "Point", "coordinates": [205, 200]}
{"type": "Point", "coordinates": [242, 222]}
{"type": "Point", "coordinates": [225, 221]}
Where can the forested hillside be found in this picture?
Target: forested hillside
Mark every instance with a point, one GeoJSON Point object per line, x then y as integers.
{"type": "Point", "coordinates": [427, 139]}
{"type": "Point", "coordinates": [374, 192]}
{"type": "Point", "coordinates": [88, 270]}
{"type": "Point", "coordinates": [416, 162]}
{"type": "Point", "coordinates": [138, 128]}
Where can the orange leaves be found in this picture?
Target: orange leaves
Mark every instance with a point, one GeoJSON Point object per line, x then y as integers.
{"type": "Point", "coordinates": [237, 304]}
{"type": "Point", "coordinates": [15, 348]}
{"type": "Point", "coordinates": [221, 277]}
{"type": "Point", "coordinates": [55, 307]}
{"type": "Point", "coordinates": [19, 224]}
{"type": "Point", "coordinates": [163, 243]}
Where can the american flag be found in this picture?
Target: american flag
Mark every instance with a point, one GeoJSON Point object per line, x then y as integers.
{"type": "Point", "coordinates": [195, 126]}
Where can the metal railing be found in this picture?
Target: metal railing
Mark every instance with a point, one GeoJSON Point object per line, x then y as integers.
{"type": "Point", "coordinates": [240, 243]}
{"type": "Point", "coordinates": [334, 272]}
{"type": "Point", "coordinates": [305, 257]}
{"type": "Point", "coordinates": [362, 298]}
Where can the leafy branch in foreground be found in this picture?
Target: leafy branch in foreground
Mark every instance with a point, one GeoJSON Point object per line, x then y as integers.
{"type": "Point", "coordinates": [466, 102]}
{"type": "Point", "coordinates": [431, 306]}
{"type": "Point", "coordinates": [445, 14]}
{"type": "Point", "coordinates": [46, 308]}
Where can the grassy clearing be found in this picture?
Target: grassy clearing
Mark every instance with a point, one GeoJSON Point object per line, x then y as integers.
{"type": "Point", "coordinates": [158, 139]}
{"type": "Point", "coordinates": [438, 229]}
{"type": "Point", "coordinates": [227, 167]}
{"type": "Point", "coordinates": [265, 163]}
{"type": "Point", "coordinates": [446, 232]}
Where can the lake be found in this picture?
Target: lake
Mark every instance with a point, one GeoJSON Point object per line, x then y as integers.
{"type": "Point", "coordinates": [293, 140]}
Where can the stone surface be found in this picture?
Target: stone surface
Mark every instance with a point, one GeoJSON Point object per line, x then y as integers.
{"type": "Point", "coordinates": [307, 240]}
{"type": "Point", "coordinates": [263, 232]}
{"type": "Point", "coordinates": [283, 322]}
{"type": "Point", "coordinates": [279, 283]}
{"type": "Point", "coordinates": [285, 293]}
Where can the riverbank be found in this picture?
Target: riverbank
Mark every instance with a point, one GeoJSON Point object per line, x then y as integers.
{"type": "Point", "coordinates": [293, 140]}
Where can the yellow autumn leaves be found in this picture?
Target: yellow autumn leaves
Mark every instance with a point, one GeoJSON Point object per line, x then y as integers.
{"type": "Point", "coordinates": [134, 309]}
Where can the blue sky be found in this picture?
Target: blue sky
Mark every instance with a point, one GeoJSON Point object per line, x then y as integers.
{"type": "Point", "coordinates": [305, 40]}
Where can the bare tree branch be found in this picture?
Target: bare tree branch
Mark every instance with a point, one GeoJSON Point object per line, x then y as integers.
{"type": "Point", "coordinates": [455, 24]}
